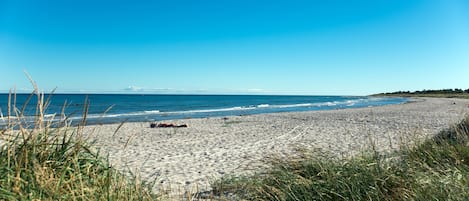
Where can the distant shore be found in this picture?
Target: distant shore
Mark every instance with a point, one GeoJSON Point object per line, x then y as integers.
{"type": "Point", "coordinates": [443, 93]}
{"type": "Point", "coordinates": [188, 159]}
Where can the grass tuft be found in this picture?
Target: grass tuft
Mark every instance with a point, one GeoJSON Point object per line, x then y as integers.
{"type": "Point", "coordinates": [437, 169]}
{"type": "Point", "coordinates": [44, 159]}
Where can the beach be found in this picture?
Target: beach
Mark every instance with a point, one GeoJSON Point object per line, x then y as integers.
{"type": "Point", "coordinates": [190, 158]}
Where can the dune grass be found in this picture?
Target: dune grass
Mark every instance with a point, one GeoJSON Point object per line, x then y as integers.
{"type": "Point", "coordinates": [50, 160]}
{"type": "Point", "coordinates": [437, 169]}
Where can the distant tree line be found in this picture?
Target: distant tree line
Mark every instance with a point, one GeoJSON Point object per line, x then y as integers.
{"type": "Point", "coordinates": [440, 91]}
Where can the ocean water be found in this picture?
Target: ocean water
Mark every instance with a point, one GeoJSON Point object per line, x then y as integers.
{"type": "Point", "coordinates": [110, 108]}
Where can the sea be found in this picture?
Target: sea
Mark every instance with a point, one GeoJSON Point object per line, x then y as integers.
{"type": "Point", "coordinates": [116, 108]}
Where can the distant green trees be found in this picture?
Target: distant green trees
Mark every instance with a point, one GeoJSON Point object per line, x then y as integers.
{"type": "Point", "coordinates": [432, 91]}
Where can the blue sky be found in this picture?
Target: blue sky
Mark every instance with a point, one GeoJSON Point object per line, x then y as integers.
{"type": "Point", "coordinates": [333, 47]}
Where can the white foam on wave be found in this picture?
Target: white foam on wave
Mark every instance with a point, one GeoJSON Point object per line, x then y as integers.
{"type": "Point", "coordinates": [306, 105]}
{"type": "Point", "coordinates": [49, 115]}
{"type": "Point", "coordinates": [330, 104]}
{"type": "Point", "coordinates": [293, 105]}
{"type": "Point", "coordinates": [97, 116]}
{"type": "Point", "coordinates": [351, 102]}
{"type": "Point", "coordinates": [211, 110]}
{"type": "Point", "coordinates": [152, 112]}
{"type": "Point", "coordinates": [94, 116]}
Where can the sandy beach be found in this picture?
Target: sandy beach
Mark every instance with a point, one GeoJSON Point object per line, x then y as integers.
{"type": "Point", "coordinates": [188, 159]}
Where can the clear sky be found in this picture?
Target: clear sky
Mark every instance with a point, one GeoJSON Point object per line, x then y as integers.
{"type": "Point", "coordinates": [328, 47]}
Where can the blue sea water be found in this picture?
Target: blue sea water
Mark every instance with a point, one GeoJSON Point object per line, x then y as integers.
{"type": "Point", "coordinates": [112, 108]}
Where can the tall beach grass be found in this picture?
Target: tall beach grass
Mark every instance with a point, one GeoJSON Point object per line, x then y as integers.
{"type": "Point", "coordinates": [436, 169]}
{"type": "Point", "coordinates": [44, 159]}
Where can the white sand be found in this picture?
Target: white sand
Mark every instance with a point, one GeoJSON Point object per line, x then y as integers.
{"type": "Point", "coordinates": [189, 158]}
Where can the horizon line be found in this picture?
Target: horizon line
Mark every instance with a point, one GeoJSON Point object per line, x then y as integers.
{"type": "Point", "coordinates": [175, 94]}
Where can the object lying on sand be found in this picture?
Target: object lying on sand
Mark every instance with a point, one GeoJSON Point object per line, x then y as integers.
{"type": "Point", "coordinates": [163, 125]}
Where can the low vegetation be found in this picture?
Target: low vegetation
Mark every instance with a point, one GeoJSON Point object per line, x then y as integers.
{"type": "Point", "coordinates": [437, 169]}
{"type": "Point", "coordinates": [49, 160]}
{"type": "Point", "coordinates": [443, 93]}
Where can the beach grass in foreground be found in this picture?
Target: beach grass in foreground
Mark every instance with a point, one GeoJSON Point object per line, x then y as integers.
{"type": "Point", "coordinates": [436, 169]}
{"type": "Point", "coordinates": [47, 160]}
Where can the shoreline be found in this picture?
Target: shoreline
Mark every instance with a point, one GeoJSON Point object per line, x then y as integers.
{"type": "Point", "coordinates": [138, 109]}
{"type": "Point", "coordinates": [188, 159]}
